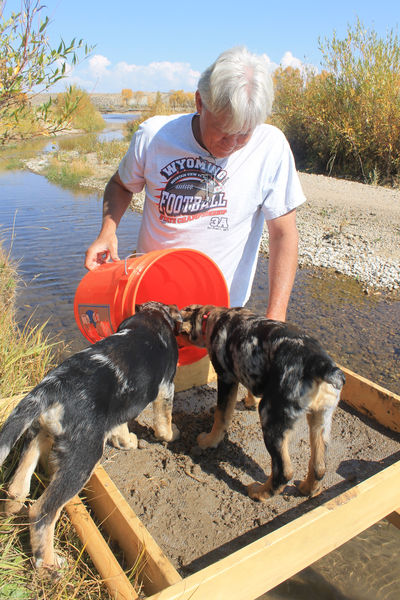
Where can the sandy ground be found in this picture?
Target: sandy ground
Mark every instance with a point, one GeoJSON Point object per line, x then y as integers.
{"type": "Point", "coordinates": [195, 502]}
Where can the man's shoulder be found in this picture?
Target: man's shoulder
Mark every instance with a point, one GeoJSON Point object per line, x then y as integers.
{"type": "Point", "coordinates": [268, 131]}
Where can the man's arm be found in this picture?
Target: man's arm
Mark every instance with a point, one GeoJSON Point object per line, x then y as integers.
{"type": "Point", "coordinates": [116, 201]}
{"type": "Point", "coordinates": [283, 254]}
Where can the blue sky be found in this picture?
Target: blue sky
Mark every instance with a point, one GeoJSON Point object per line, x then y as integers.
{"type": "Point", "coordinates": [156, 45]}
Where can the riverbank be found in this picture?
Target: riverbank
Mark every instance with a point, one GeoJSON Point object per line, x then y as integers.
{"type": "Point", "coordinates": [348, 227]}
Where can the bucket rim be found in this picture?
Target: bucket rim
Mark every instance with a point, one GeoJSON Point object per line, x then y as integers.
{"type": "Point", "coordinates": [147, 260]}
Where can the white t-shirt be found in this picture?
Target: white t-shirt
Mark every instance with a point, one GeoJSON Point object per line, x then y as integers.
{"type": "Point", "coordinates": [216, 206]}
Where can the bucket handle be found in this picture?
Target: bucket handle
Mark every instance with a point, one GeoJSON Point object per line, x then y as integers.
{"type": "Point", "coordinates": [133, 255]}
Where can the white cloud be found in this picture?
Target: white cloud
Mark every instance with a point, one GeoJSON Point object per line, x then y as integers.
{"type": "Point", "coordinates": [288, 60]}
{"type": "Point", "coordinates": [98, 65]}
{"type": "Point", "coordinates": [98, 74]}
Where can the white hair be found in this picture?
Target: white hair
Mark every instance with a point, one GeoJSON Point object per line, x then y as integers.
{"type": "Point", "coordinates": [238, 88]}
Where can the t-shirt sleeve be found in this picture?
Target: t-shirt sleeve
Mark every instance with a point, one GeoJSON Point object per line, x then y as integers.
{"type": "Point", "coordinates": [131, 167]}
{"type": "Point", "coordinates": [282, 188]}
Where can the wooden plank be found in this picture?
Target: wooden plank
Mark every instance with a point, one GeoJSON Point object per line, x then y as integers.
{"type": "Point", "coordinates": [198, 373]}
{"type": "Point", "coordinates": [103, 559]}
{"type": "Point", "coordinates": [120, 521]}
{"type": "Point", "coordinates": [394, 518]}
{"type": "Point", "coordinates": [372, 400]}
{"type": "Point", "coordinates": [260, 566]}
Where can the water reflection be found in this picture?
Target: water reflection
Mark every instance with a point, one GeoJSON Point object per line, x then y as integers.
{"type": "Point", "coordinates": [48, 230]}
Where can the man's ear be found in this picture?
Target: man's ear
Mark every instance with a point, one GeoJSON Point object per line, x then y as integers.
{"type": "Point", "coordinates": [199, 101]}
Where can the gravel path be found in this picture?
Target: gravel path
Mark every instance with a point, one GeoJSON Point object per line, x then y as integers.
{"type": "Point", "coordinates": [352, 228]}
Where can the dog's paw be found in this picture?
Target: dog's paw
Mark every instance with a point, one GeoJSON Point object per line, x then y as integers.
{"type": "Point", "coordinates": [128, 442]}
{"type": "Point", "coordinates": [250, 401]}
{"type": "Point", "coordinates": [165, 435]}
{"type": "Point", "coordinates": [259, 491]}
{"type": "Point", "coordinates": [306, 489]}
{"type": "Point", "coordinates": [13, 506]}
{"type": "Point", "coordinates": [206, 440]}
{"type": "Point", "coordinates": [51, 570]}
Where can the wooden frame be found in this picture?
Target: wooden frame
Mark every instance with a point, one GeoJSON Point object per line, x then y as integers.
{"type": "Point", "coordinates": [241, 575]}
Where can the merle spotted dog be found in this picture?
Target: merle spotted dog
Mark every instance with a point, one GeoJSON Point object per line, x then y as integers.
{"type": "Point", "coordinates": [88, 398]}
{"type": "Point", "coordinates": [287, 368]}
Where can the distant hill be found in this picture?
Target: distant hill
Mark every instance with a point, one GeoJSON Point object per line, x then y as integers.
{"type": "Point", "coordinates": [112, 102]}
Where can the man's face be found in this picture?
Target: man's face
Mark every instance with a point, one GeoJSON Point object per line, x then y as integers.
{"type": "Point", "coordinates": [217, 141]}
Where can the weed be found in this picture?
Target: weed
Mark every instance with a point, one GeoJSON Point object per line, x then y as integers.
{"type": "Point", "coordinates": [67, 173]}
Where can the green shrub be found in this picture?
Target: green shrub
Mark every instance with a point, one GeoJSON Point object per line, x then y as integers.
{"type": "Point", "coordinates": [67, 173]}
{"type": "Point", "coordinates": [85, 116]}
{"type": "Point", "coordinates": [346, 120]}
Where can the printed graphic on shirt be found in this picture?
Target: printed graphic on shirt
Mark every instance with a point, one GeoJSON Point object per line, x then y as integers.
{"type": "Point", "coordinates": [194, 189]}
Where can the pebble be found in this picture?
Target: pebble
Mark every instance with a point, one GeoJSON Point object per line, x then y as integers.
{"type": "Point", "coordinates": [345, 255]}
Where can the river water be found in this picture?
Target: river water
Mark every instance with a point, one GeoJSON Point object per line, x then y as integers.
{"type": "Point", "coordinates": [48, 230]}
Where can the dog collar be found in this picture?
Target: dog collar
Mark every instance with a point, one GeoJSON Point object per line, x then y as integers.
{"type": "Point", "coordinates": [204, 324]}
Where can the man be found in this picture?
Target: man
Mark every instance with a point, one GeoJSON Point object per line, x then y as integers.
{"type": "Point", "coordinates": [211, 180]}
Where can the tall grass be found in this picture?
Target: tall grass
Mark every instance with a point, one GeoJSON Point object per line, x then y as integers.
{"type": "Point", "coordinates": [67, 173]}
{"type": "Point", "coordinates": [345, 121]}
{"type": "Point", "coordinates": [25, 356]}
{"type": "Point", "coordinates": [106, 151]}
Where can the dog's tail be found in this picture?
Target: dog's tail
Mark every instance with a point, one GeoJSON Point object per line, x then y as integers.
{"type": "Point", "coordinates": [23, 415]}
{"type": "Point", "coordinates": [322, 367]}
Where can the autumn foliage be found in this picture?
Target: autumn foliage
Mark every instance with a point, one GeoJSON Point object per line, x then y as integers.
{"type": "Point", "coordinates": [345, 120]}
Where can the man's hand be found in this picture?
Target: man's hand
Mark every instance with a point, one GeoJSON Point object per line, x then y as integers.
{"type": "Point", "coordinates": [105, 247]}
{"type": "Point", "coordinates": [102, 250]}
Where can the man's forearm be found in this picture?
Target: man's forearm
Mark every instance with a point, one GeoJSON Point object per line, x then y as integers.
{"type": "Point", "coordinates": [116, 201]}
{"type": "Point", "coordinates": [283, 255]}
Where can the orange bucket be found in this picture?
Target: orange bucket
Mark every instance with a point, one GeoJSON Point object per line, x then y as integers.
{"type": "Point", "coordinates": [108, 295]}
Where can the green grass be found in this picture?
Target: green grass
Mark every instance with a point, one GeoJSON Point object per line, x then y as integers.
{"type": "Point", "coordinates": [106, 151]}
{"type": "Point", "coordinates": [68, 173]}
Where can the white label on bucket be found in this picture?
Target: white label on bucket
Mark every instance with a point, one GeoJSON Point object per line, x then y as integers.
{"type": "Point", "coordinates": [95, 320]}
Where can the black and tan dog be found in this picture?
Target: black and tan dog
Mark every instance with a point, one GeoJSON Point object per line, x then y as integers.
{"type": "Point", "coordinates": [85, 400]}
{"type": "Point", "coordinates": [279, 363]}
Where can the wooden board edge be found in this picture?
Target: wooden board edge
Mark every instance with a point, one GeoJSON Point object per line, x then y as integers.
{"type": "Point", "coordinates": [194, 375]}
{"type": "Point", "coordinates": [372, 400]}
{"type": "Point", "coordinates": [263, 564]}
{"type": "Point", "coordinates": [103, 559]}
{"type": "Point", "coordinates": [394, 518]}
{"type": "Point", "coordinates": [122, 524]}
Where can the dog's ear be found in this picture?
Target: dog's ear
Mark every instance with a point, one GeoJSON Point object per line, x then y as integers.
{"type": "Point", "coordinates": [177, 318]}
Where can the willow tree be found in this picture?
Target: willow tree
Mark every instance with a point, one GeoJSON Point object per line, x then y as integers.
{"type": "Point", "coordinates": [29, 66]}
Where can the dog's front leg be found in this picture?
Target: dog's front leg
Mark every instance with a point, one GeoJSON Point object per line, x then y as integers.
{"type": "Point", "coordinates": [120, 437]}
{"type": "Point", "coordinates": [227, 393]}
{"type": "Point", "coordinates": [164, 429]}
